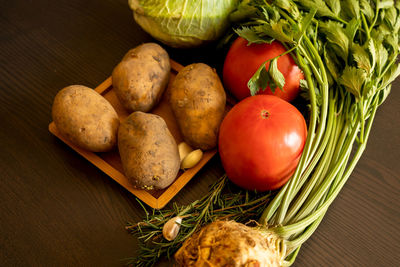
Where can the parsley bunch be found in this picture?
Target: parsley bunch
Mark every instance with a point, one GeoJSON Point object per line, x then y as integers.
{"type": "Point", "coordinates": [348, 52]}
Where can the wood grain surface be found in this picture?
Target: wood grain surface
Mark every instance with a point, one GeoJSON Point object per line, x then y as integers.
{"type": "Point", "coordinates": [59, 210]}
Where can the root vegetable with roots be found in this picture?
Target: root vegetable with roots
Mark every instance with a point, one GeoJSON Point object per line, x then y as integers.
{"type": "Point", "coordinates": [228, 243]}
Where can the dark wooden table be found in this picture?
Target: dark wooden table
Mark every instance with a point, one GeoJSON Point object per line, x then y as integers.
{"type": "Point", "coordinates": [59, 210]}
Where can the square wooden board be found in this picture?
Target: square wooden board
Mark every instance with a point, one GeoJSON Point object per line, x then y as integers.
{"type": "Point", "coordinates": [110, 162]}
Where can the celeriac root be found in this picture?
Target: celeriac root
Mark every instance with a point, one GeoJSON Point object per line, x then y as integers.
{"type": "Point", "coordinates": [228, 243]}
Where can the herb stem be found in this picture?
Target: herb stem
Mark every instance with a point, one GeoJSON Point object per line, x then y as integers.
{"type": "Point", "coordinates": [365, 24]}
{"type": "Point", "coordinates": [313, 199]}
{"type": "Point", "coordinates": [273, 206]}
{"type": "Point", "coordinates": [310, 61]}
{"type": "Point", "coordinates": [362, 120]}
{"type": "Point", "coordinates": [307, 147]}
{"type": "Point", "coordinates": [289, 195]}
{"type": "Point", "coordinates": [375, 17]}
{"type": "Point", "coordinates": [318, 173]}
{"type": "Point", "coordinates": [306, 234]}
{"type": "Point", "coordinates": [324, 93]}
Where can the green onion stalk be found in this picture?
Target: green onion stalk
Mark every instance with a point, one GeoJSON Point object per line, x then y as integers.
{"type": "Point", "coordinates": [348, 54]}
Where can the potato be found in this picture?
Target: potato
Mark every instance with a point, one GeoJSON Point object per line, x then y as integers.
{"type": "Point", "coordinates": [85, 118]}
{"type": "Point", "coordinates": [148, 151]}
{"type": "Point", "coordinates": [198, 99]}
{"type": "Point", "coordinates": [140, 79]}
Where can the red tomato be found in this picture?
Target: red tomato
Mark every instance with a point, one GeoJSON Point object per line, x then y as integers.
{"type": "Point", "coordinates": [260, 142]}
{"type": "Point", "coordinates": [243, 60]}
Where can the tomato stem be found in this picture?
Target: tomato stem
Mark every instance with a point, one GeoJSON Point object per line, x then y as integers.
{"type": "Point", "coordinates": [265, 114]}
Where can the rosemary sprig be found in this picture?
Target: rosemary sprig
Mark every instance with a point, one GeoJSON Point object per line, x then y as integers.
{"type": "Point", "coordinates": [224, 201]}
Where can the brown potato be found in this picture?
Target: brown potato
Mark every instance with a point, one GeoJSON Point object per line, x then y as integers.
{"type": "Point", "coordinates": [140, 79]}
{"type": "Point", "coordinates": [86, 118]}
{"type": "Point", "coordinates": [149, 153]}
{"type": "Point", "coordinates": [198, 99]}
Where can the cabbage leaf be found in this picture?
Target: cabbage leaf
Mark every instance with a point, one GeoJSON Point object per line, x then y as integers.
{"type": "Point", "coordinates": [183, 23]}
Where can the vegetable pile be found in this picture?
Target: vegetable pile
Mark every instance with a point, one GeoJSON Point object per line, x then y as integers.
{"type": "Point", "coordinates": [348, 52]}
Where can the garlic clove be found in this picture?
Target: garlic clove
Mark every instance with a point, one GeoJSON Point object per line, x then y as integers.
{"type": "Point", "coordinates": [184, 150]}
{"type": "Point", "coordinates": [171, 228]}
{"type": "Point", "coordinates": [192, 159]}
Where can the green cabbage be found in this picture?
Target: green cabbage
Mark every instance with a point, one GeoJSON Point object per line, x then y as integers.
{"type": "Point", "coordinates": [183, 23]}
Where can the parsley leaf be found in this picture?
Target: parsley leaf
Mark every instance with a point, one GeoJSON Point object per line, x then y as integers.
{"type": "Point", "coordinates": [372, 51]}
{"type": "Point", "coordinates": [351, 9]}
{"type": "Point", "coordinates": [277, 78]}
{"type": "Point", "coordinates": [392, 40]}
{"type": "Point", "coordinates": [260, 79]}
{"type": "Point", "coordinates": [385, 4]}
{"type": "Point", "coordinates": [334, 5]}
{"type": "Point", "coordinates": [249, 34]}
{"type": "Point", "coordinates": [361, 56]}
{"type": "Point", "coordinates": [381, 56]}
{"type": "Point", "coordinates": [352, 28]}
{"type": "Point", "coordinates": [367, 10]}
{"type": "Point", "coordinates": [331, 65]}
{"type": "Point", "coordinates": [289, 6]}
{"type": "Point", "coordinates": [383, 94]}
{"type": "Point", "coordinates": [322, 9]}
{"type": "Point", "coordinates": [263, 78]}
{"type": "Point", "coordinates": [352, 79]}
{"type": "Point", "coordinates": [391, 75]}
{"type": "Point", "coordinates": [391, 17]}
{"type": "Point", "coordinates": [337, 37]}
{"type": "Point", "coordinates": [280, 30]}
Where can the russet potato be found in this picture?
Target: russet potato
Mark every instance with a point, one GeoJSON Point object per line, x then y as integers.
{"type": "Point", "coordinates": [197, 99]}
{"type": "Point", "coordinates": [140, 79]}
{"type": "Point", "coordinates": [149, 153]}
{"type": "Point", "coordinates": [85, 118]}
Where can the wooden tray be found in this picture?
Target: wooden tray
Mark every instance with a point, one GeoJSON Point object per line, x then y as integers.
{"type": "Point", "coordinates": [110, 162]}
